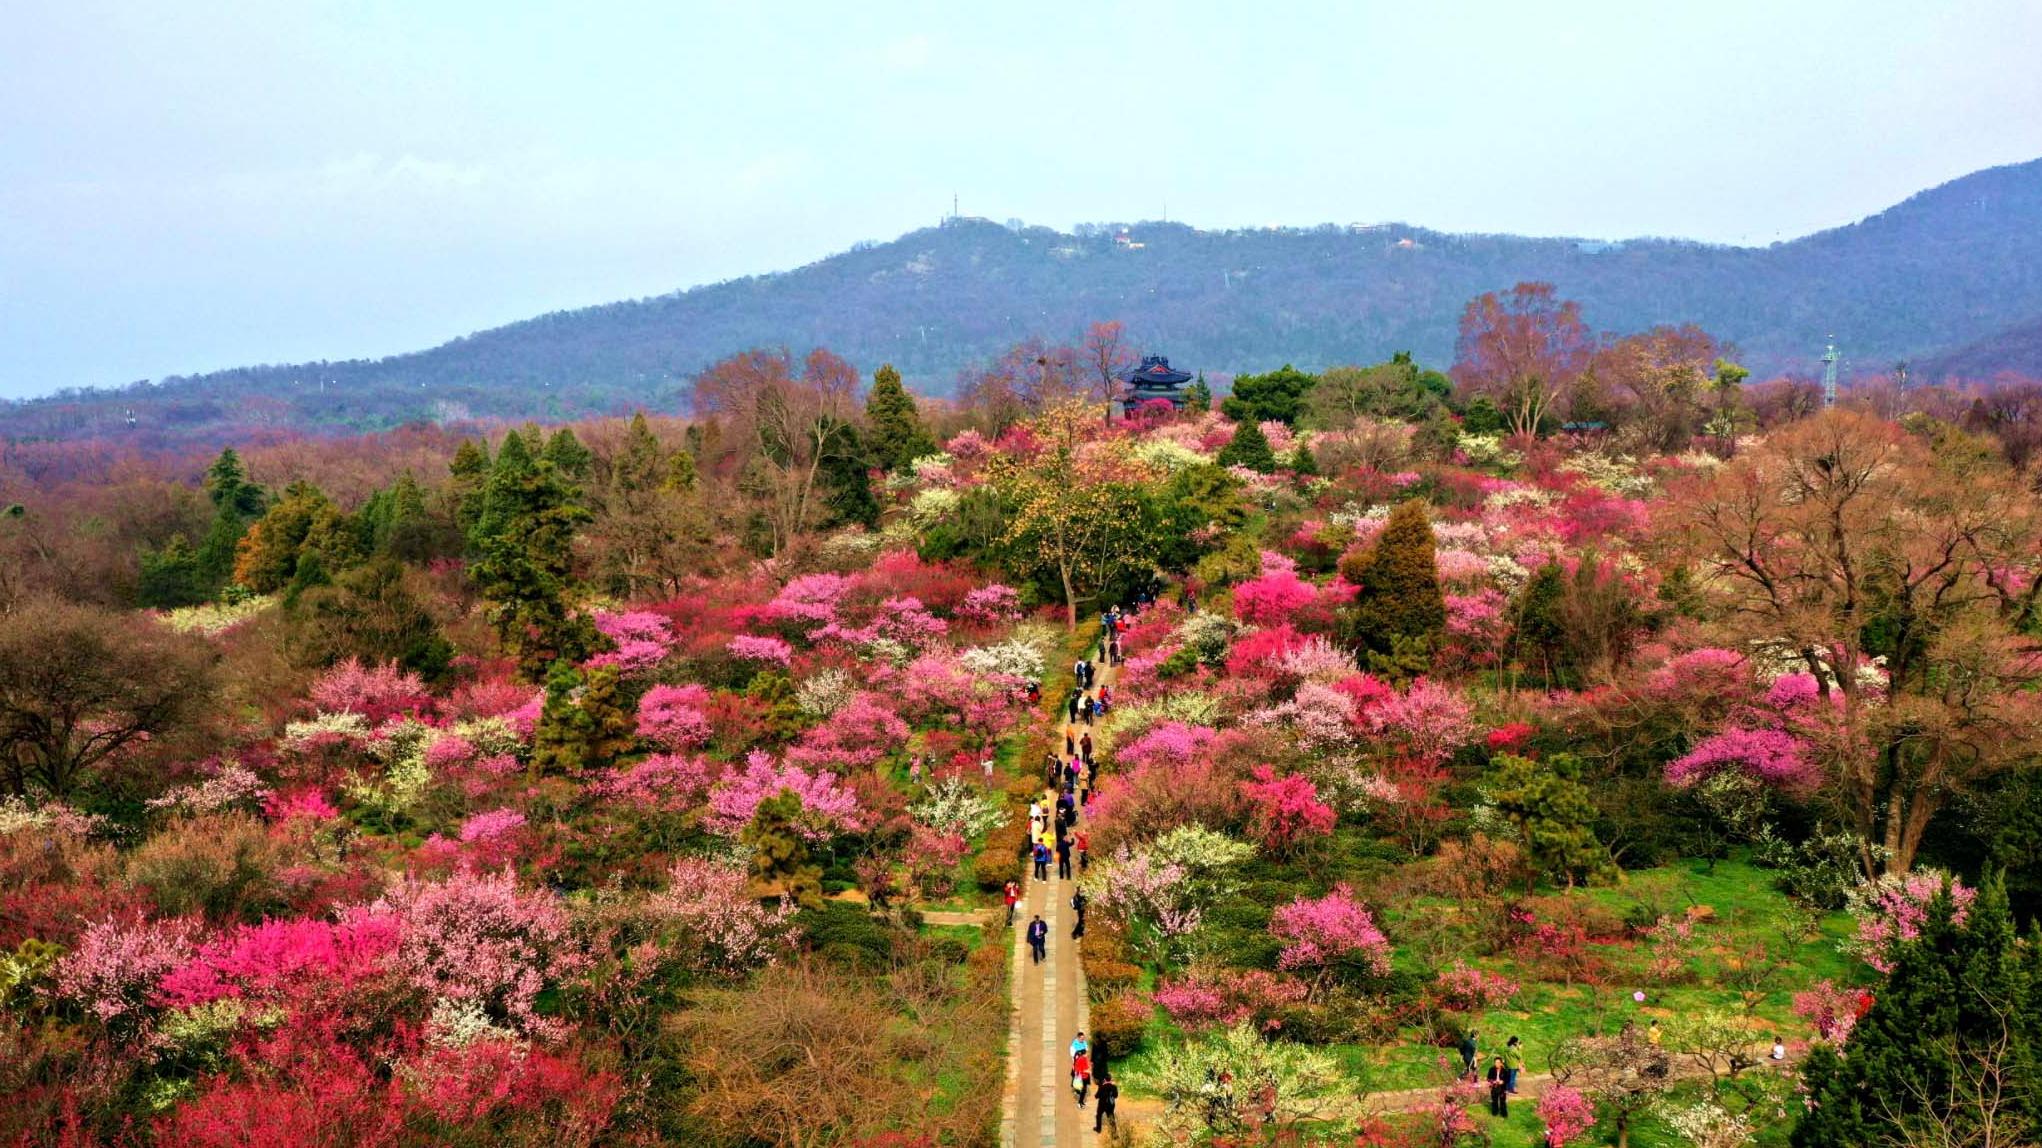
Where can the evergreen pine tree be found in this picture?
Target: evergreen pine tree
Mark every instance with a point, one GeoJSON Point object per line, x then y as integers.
{"type": "Point", "coordinates": [470, 469]}
{"type": "Point", "coordinates": [1198, 396]}
{"type": "Point", "coordinates": [898, 436]}
{"type": "Point", "coordinates": [1951, 1040]}
{"type": "Point", "coordinates": [846, 472]}
{"type": "Point", "coordinates": [523, 539]}
{"type": "Point", "coordinates": [561, 737]}
{"type": "Point", "coordinates": [641, 465]}
{"type": "Point", "coordinates": [236, 503]}
{"type": "Point", "coordinates": [171, 576]}
{"type": "Point", "coordinates": [1249, 447]}
{"type": "Point", "coordinates": [779, 866]}
{"type": "Point", "coordinates": [1541, 629]}
{"type": "Point", "coordinates": [1399, 596]}
{"type": "Point", "coordinates": [1302, 462]}
{"type": "Point", "coordinates": [567, 455]}
{"type": "Point", "coordinates": [1553, 813]}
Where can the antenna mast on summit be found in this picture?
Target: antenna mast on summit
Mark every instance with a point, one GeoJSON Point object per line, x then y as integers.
{"type": "Point", "coordinates": [1829, 360]}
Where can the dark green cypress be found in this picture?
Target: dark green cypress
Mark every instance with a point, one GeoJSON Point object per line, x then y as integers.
{"type": "Point", "coordinates": [1249, 447]}
{"type": "Point", "coordinates": [898, 436]}
{"type": "Point", "coordinates": [1399, 603]}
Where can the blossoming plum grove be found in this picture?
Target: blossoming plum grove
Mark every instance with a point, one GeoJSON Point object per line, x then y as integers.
{"type": "Point", "coordinates": [625, 782]}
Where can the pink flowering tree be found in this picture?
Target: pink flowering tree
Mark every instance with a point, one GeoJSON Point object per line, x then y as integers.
{"type": "Point", "coordinates": [675, 717]}
{"type": "Point", "coordinates": [1223, 998]}
{"type": "Point", "coordinates": [1321, 933]}
{"type": "Point", "coordinates": [1462, 989]}
{"type": "Point", "coordinates": [1831, 1008]}
{"type": "Point", "coordinates": [661, 783]}
{"type": "Point", "coordinates": [113, 970]}
{"type": "Point", "coordinates": [270, 961]}
{"type": "Point", "coordinates": [990, 604]}
{"type": "Point", "coordinates": [493, 839]}
{"type": "Point", "coordinates": [1772, 756]}
{"type": "Point", "coordinates": [907, 621]}
{"type": "Point", "coordinates": [1428, 721]}
{"type": "Point", "coordinates": [1567, 1113]}
{"type": "Point", "coordinates": [1285, 811]}
{"type": "Point", "coordinates": [768, 651]}
{"type": "Point", "coordinates": [377, 692]}
{"type": "Point", "coordinates": [828, 808]}
{"type": "Point", "coordinates": [1321, 716]}
{"type": "Point", "coordinates": [639, 641]}
{"type": "Point", "coordinates": [1272, 598]}
{"type": "Point", "coordinates": [478, 938]}
{"type": "Point", "coordinates": [809, 602]}
{"type": "Point", "coordinates": [1891, 911]}
{"type": "Point", "coordinates": [858, 735]}
{"type": "Point", "coordinates": [723, 929]}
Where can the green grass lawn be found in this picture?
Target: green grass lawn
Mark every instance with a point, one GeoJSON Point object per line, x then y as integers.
{"type": "Point", "coordinates": [1744, 907]}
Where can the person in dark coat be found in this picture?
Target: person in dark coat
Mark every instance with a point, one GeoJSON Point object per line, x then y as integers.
{"type": "Point", "coordinates": [1038, 938]}
{"type": "Point", "coordinates": [1063, 858]}
{"type": "Point", "coordinates": [1499, 1089]}
{"type": "Point", "coordinates": [1104, 1099]}
{"type": "Point", "coordinates": [1078, 903]}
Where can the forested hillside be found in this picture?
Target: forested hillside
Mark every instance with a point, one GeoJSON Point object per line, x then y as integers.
{"type": "Point", "coordinates": [1946, 267]}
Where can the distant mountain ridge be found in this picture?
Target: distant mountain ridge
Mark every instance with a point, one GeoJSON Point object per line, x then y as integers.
{"type": "Point", "coordinates": [1946, 268]}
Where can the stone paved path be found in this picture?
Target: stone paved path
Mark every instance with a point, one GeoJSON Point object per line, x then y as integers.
{"type": "Point", "coordinates": [1049, 1008]}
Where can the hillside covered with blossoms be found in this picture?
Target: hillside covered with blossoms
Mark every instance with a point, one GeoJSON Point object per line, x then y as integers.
{"type": "Point", "coordinates": [1665, 744]}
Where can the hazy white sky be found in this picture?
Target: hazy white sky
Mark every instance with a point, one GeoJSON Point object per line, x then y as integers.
{"type": "Point", "coordinates": [218, 182]}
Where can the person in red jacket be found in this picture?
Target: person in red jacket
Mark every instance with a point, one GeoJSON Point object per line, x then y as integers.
{"type": "Point", "coordinates": [1081, 1075]}
{"type": "Point", "coordinates": [1013, 897]}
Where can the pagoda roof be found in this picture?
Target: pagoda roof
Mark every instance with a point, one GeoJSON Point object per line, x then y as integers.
{"type": "Point", "coordinates": [1155, 371]}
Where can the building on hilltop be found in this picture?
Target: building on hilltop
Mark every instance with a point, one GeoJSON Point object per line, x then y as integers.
{"type": "Point", "coordinates": [1154, 379]}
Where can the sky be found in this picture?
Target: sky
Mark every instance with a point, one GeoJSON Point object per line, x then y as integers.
{"type": "Point", "coordinates": [216, 183]}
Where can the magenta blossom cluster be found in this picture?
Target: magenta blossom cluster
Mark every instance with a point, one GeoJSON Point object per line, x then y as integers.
{"type": "Point", "coordinates": [1222, 998]}
{"type": "Point", "coordinates": [1833, 1009]}
{"type": "Point", "coordinates": [377, 692]}
{"type": "Point", "coordinates": [1319, 931]}
{"type": "Point", "coordinates": [991, 603]}
{"type": "Point", "coordinates": [1567, 1113]}
{"type": "Point", "coordinates": [640, 641]}
{"type": "Point", "coordinates": [1891, 911]}
{"type": "Point", "coordinates": [734, 932]}
{"type": "Point", "coordinates": [674, 716]}
{"type": "Point", "coordinates": [752, 648]}
{"type": "Point", "coordinates": [268, 960]}
{"type": "Point", "coordinates": [478, 937]}
{"type": "Point", "coordinates": [827, 807]}
{"type": "Point", "coordinates": [662, 782]}
{"type": "Point", "coordinates": [1772, 756]}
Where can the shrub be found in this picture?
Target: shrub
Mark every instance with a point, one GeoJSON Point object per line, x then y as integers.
{"type": "Point", "coordinates": [1108, 978]}
{"type": "Point", "coordinates": [223, 866]}
{"type": "Point", "coordinates": [1000, 861]}
{"type": "Point", "coordinates": [1119, 1024]}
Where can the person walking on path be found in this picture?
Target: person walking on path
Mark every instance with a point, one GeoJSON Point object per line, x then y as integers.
{"type": "Point", "coordinates": [1468, 1049]}
{"type": "Point", "coordinates": [1499, 1089]}
{"type": "Point", "coordinates": [1075, 696]}
{"type": "Point", "coordinates": [1085, 748]}
{"type": "Point", "coordinates": [1108, 1098]}
{"type": "Point", "coordinates": [1084, 850]}
{"type": "Point", "coordinates": [1078, 903]}
{"type": "Point", "coordinates": [1013, 898]}
{"type": "Point", "coordinates": [1038, 938]}
{"type": "Point", "coordinates": [1041, 861]}
{"type": "Point", "coordinates": [1513, 1063]}
{"type": "Point", "coordinates": [1063, 858]}
{"type": "Point", "coordinates": [1079, 1044]}
{"type": "Point", "coordinates": [1081, 1076]}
